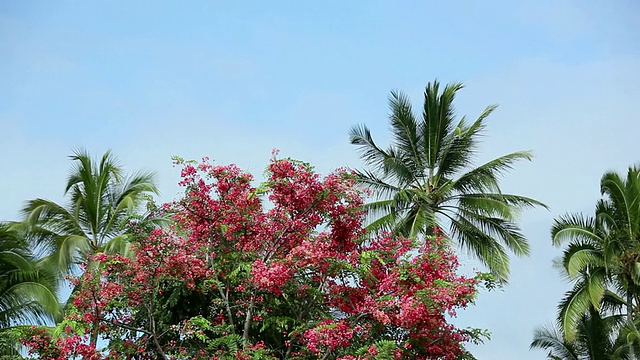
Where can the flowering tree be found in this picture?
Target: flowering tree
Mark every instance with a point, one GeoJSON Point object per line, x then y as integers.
{"type": "Point", "coordinates": [235, 278]}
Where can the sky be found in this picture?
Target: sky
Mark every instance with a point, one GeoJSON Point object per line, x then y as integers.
{"type": "Point", "coordinates": [233, 80]}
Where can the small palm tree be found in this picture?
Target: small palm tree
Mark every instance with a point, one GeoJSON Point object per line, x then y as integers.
{"type": "Point", "coordinates": [28, 292]}
{"type": "Point", "coordinates": [551, 339]}
{"type": "Point", "coordinates": [426, 179]}
{"type": "Point", "coordinates": [101, 200]}
{"type": "Point", "coordinates": [596, 339]}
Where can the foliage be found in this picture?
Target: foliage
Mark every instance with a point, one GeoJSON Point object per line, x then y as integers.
{"type": "Point", "coordinates": [426, 179]}
{"type": "Point", "coordinates": [598, 317]}
{"type": "Point", "coordinates": [602, 253]}
{"type": "Point", "coordinates": [235, 278]}
{"type": "Point", "coordinates": [101, 199]}
{"type": "Point", "coordinates": [28, 292]}
{"type": "Point", "coordinates": [596, 337]}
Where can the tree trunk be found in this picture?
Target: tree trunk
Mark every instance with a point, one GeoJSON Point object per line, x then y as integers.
{"type": "Point", "coordinates": [94, 336]}
{"type": "Point", "coordinates": [630, 291]}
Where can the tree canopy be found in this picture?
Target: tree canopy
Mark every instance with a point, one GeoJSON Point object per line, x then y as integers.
{"type": "Point", "coordinates": [236, 279]}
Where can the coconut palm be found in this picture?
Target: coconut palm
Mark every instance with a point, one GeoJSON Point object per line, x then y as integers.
{"type": "Point", "coordinates": [602, 253]}
{"type": "Point", "coordinates": [619, 214]}
{"type": "Point", "coordinates": [426, 179]}
{"type": "Point", "coordinates": [551, 339]}
{"type": "Point", "coordinates": [28, 292]}
{"type": "Point", "coordinates": [597, 339]}
{"type": "Point", "coordinates": [101, 201]}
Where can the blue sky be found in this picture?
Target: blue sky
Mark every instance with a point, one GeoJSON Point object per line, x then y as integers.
{"type": "Point", "coordinates": [232, 80]}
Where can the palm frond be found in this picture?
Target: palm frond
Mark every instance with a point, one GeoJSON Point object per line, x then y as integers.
{"type": "Point", "coordinates": [25, 301]}
{"type": "Point", "coordinates": [400, 168]}
{"type": "Point", "coordinates": [614, 187]}
{"type": "Point", "coordinates": [572, 308]}
{"type": "Point", "coordinates": [486, 177]}
{"type": "Point", "coordinates": [404, 127]}
{"type": "Point", "coordinates": [574, 226]}
{"type": "Point", "coordinates": [438, 116]}
{"type": "Point", "coordinates": [484, 247]}
{"type": "Point", "coordinates": [380, 188]}
{"type": "Point", "coordinates": [612, 303]}
{"type": "Point", "coordinates": [51, 216]}
{"type": "Point", "coordinates": [594, 334]}
{"type": "Point", "coordinates": [486, 204]}
{"type": "Point", "coordinates": [500, 230]}
{"type": "Point", "coordinates": [627, 343]}
{"type": "Point", "coordinates": [548, 338]}
{"type": "Point", "coordinates": [460, 145]}
{"type": "Point", "coordinates": [580, 257]}
{"type": "Point", "coordinates": [119, 245]}
{"type": "Point", "coordinates": [372, 155]}
{"type": "Point", "coordinates": [10, 348]}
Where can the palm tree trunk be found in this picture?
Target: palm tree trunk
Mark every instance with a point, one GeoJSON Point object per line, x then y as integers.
{"type": "Point", "coordinates": [630, 292]}
{"type": "Point", "coordinates": [94, 336]}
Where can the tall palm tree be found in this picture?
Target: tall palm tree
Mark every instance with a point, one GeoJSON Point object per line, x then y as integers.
{"type": "Point", "coordinates": [602, 253]}
{"type": "Point", "coordinates": [28, 292]}
{"type": "Point", "coordinates": [101, 200]}
{"type": "Point", "coordinates": [426, 179]}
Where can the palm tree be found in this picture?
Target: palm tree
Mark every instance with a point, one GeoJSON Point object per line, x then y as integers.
{"type": "Point", "coordinates": [28, 292]}
{"type": "Point", "coordinates": [101, 200]}
{"type": "Point", "coordinates": [426, 178]}
{"type": "Point", "coordinates": [551, 339]}
{"type": "Point", "coordinates": [619, 213]}
{"type": "Point", "coordinates": [602, 255]}
{"type": "Point", "coordinates": [597, 339]}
